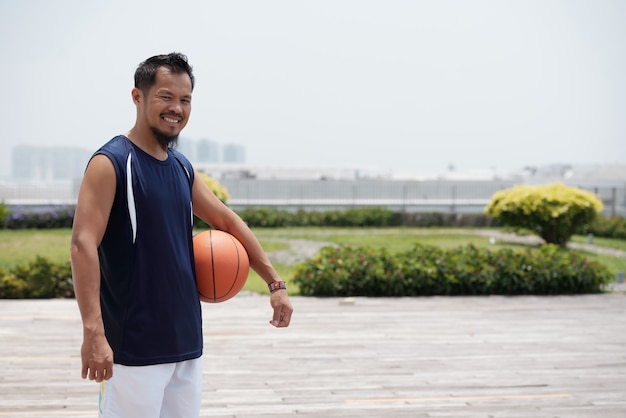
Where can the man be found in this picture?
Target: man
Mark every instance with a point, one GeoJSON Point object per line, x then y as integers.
{"type": "Point", "coordinates": [132, 256]}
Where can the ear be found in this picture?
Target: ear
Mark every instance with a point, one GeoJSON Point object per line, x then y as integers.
{"type": "Point", "coordinates": [137, 96]}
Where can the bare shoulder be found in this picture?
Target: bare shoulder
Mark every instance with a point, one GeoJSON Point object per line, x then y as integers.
{"type": "Point", "coordinates": [95, 200]}
{"type": "Point", "coordinates": [100, 165]}
{"type": "Point", "coordinates": [98, 185]}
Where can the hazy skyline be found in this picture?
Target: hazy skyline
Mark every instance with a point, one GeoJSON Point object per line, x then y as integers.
{"type": "Point", "coordinates": [403, 86]}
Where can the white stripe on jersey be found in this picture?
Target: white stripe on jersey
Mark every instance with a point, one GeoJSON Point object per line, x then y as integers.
{"type": "Point", "coordinates": [130, 197]}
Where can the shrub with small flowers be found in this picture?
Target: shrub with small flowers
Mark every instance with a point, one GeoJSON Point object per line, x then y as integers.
{"type": "Point", "coordinates": [38, 279]}
{"type": "Point", "coordinates": [45, 217]}
{"type": "Point", "coordinates": [427, 270]}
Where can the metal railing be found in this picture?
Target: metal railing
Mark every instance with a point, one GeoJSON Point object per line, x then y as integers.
{"type": "Point", "coordinates": [409, 196]}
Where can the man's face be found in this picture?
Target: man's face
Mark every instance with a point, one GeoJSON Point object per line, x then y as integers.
{"type": "Point", "coordinates": [167, 105]}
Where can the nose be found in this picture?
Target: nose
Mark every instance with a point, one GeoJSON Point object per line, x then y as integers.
{"type": "Point", "coordinates": [176, 107]}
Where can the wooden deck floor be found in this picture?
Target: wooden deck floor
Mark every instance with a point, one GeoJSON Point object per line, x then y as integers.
{"type": "Point", "coordinates": [471, 357]}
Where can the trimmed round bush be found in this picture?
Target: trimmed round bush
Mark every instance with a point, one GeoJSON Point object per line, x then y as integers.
{"type": "Point", "coordinates": [554, 212]}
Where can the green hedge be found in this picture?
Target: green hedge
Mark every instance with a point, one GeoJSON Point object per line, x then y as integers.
{"type": "Point", "coordinates": [62, 217]}
{"type": "Point", "coordinates": [39, 279]}
{"type": "Point", "coordinates": [361, 217]}
{"type": "Point", "coordinates": [271, 217]}
{"type": "Point", "coordinates": [607, 227]}
{"type": "Point", "coordinates": [4, 210]}
{"type": "Point", "coordinates": [37, 218]}
{"type": "Point", "coordinates": [427, 270]}
{"type": "Point", "coordinates": [361, 271]}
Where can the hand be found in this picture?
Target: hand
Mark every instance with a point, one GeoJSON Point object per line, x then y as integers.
{"type": "Point", "coordinates": [282, 308]}
{"type": "Point", "coordinates": [97, 358]}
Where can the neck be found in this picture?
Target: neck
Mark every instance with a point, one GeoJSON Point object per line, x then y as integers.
{"type": "Point", "coordinates": [147, 142]}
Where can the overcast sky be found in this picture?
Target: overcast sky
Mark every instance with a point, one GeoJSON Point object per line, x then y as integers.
{"type": "Point", "coordinates": [402, 86]}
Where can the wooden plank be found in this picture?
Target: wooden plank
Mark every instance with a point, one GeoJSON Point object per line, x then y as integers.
{"type": "Point", "coordinates": [407, 357]}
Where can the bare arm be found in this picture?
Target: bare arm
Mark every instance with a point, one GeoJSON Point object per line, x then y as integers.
{"type": "Point", "coordinates": [95, 199]}
{"type": "Point", "coordinates": [209, 208]}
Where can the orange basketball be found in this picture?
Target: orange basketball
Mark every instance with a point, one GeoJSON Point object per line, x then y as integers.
{"type": "Point", "coordinates": [222, 265]}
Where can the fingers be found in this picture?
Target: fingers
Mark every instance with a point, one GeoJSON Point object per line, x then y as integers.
{"type": "Point", "coordinates": [98, 373]}
{"type": "Point", "coordinates": [105, 374]}
{"type": "Point", "coordinates": [282, 319]}
{"type": "Point", "coordinates": [279, 300]}
{"type": "Point", "coordinates": [282, 315]}
{"type": "Point", "coordinates": [97, 359]}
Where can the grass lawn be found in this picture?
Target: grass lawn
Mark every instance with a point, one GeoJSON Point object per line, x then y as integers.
{"type": "Point", "coordinates": [22, 246]}
{"type": "Point", "coordinates": [617, 244]}
{"type": "Point", "coordinates": [19, 247]}
{"type": "Point", "coordinates": [398, 239]}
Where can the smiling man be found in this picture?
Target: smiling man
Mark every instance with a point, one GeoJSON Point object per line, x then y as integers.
{"type": "Point", "coordinates": [132, 256]}
{"type": "Point", "coordinates": [163, 99]}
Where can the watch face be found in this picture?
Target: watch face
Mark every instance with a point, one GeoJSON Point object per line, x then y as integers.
{"type": "Point", "coordinates": [277, 285]}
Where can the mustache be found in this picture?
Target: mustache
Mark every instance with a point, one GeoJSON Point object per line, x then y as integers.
{"type": "Point", "coordinates": [176, 115]}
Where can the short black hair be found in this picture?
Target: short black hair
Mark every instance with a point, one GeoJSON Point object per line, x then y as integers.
{"type": "Point", "coordinates": [145, 75]}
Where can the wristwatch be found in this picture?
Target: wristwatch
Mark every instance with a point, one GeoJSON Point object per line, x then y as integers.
{"type": "Point", "coordinates": [277, 285]}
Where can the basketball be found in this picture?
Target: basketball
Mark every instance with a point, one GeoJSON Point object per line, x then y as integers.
{"type": "Point", "coordinates": [222, 265]}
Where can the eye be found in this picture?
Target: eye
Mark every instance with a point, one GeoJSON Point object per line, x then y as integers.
{"type": "Point", "coordinates": [165, 97]}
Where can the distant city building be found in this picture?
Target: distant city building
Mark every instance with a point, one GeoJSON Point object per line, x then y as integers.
{"type": "Point", "coordinates": [187, 147]}
{"type": "Point", "coordinates": [207, 151]}
{"type": "Point", "coordinates": [48, 163]}
{"type": "Point", "coordinates": [234, 153]}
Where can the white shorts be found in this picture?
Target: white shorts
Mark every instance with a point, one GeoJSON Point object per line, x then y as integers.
{"type": "Point", "coordinates": [171, 390]}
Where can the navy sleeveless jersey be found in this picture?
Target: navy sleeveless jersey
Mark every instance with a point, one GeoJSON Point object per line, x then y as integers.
{"type": "Point", "coordinates": [149, 298]}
